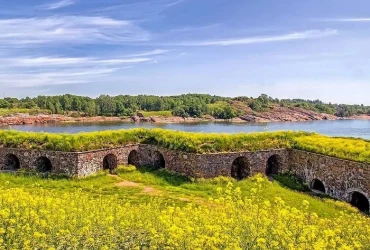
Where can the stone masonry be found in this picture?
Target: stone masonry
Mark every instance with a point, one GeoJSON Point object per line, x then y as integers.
{"type": "Point", "coordinates": [340, 178]}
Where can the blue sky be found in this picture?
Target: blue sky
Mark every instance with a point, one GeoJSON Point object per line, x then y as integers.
{"type": "Point", "coordinates": [316, 49]}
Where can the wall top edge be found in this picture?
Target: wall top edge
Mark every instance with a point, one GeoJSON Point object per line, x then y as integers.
{"type": "Point", "coordinates": [138, 145]}
{"type": "Point", "coordinates": [329, 156]}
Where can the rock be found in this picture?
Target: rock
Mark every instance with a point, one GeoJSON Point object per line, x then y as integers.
{"type": "Point", "coordinates": [135, 118]}
{"type": "Point", "coordinates": [145, 119]}
{"type": "Point", "coordinates": [248, 118]}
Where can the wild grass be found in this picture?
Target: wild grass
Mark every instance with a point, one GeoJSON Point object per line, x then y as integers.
{"type": "Point", "coordinates": [146, 208]}
{"type": "Point", "coordinates": [156, 113]}
{"type": "Point", "coordinates": [291, 181]}
{"type": "Point", "coordinates": [172, 186]}
{"type": "Point", "coordinates": [35, 111]}
{"type": "Point", "coordinates": [345, 148]}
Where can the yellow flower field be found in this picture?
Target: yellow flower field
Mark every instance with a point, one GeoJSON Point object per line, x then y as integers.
{"type": "Point", "coordinates": [37, 217]}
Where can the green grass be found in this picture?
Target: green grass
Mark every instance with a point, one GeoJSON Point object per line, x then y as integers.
{"type": "Point", "coordinates": [170, 188]}
{"type": "Point", "coordinates": [345, 148]}
{"type": "Point", "coordinates": [156, 113]}
{"type": "Point", "coordinates": [6, 112]}
{"type": "Point", "coordinates": [290, 181]}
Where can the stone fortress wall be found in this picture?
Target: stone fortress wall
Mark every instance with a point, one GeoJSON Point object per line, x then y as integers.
{"type": "Point", "coordinates": [341, 179]}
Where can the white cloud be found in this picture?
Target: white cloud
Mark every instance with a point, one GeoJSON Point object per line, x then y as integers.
{"type": "Point", "coordinates": [174, 3]}
{"type": "Point", "coordinates": [310, 34]}
{"type": "Point", "coordinates": [56, 77]}
{"type": "Point", "coordinates": [194, 28]}
{"type": "Point", "coordinates": [349, 20]}
{"type": "Point", "coordinates": [42, 71]}
{"type": "Point", "coordinates": [150, 53]}
{"type": "Point", "coordinates": [69, 61]}
{"type": "Point", "coordinates": [68, 30]}
{"type": "Point", "coordinates": [58, 5]}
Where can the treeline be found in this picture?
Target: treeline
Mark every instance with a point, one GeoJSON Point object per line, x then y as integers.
{"type": "Point", "coordinates": [188, 105]}
{"type": "Point", "coordinates": [264, 102]}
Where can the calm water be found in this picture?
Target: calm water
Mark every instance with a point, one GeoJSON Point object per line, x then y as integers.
{"type": "Point", "coordinates": [353, 128]}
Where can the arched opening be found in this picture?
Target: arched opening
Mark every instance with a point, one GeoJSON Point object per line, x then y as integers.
{"type": "Point", "coordinates": [360, 201]}
{"type": "Point", "coordinates": [158, 160]}
{"type": "Point", "coordinates": [43, 165]}
{"type": "Point", "coordinates": [318, 185]}
{"type": "Point", "coordinates": [274, 163]}
{"type": "Point", "coordinates": [11, 162]}
{"type": "Point", "coordinates": [133, 158]}
{"type": "Point", "coordinates": [240, 168]}
{"type": "Point", "coordinates": [110, 162]}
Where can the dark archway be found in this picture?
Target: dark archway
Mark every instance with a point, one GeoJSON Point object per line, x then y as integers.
{"type": "Point", "coordinates": [133, 158]}
{"type": "Point", "coordinates": [43, 165]}
{"type": "Point", "coordinates": [158, 160]}
{"type": "Point", "coordinates": [110, 162]}
{"type": "Point", "coordinates": [317, 185]}
{"type": "Point", "coordinates": [11, 162]}
{"type": "Point", "coordinates": [360, 201]}
{"type": "Point", "coordinates": [274, 164]}
{"type": "Point", "coordinates": [240, 169]}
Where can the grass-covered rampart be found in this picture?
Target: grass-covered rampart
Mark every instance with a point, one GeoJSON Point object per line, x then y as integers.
{"type": "Point", "coordinates": [345, 148]}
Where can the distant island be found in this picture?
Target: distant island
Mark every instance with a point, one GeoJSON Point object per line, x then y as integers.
{"type": "Point", "coordinates": [171, 109]}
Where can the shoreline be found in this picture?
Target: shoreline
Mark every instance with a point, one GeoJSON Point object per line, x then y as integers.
{"type": "Point", "coordinates": [49, 119]}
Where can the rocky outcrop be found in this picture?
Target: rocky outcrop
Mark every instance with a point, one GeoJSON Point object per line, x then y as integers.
{"type": "Point", "coordinates": [276, 114]}
{"type": "Point", "coordinates": [26, 119]}
{"type": "Point", "coordinates": [279, 114]}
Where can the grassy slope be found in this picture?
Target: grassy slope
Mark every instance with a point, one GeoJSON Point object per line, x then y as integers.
{"type": "Point", "coordinates": [5, 112]}
{"type": "Point", "coordinates": [154, 209]}
{"type": "Point", "coordinates": [156, 113]}
{"type": "Point", "coordinates": [168, 187]}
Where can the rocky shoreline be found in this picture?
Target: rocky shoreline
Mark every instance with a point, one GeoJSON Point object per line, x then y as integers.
{"type": "Point", "coordinates": [279, 114]}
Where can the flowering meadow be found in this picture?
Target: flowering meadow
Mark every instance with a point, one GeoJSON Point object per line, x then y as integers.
{"type": "Point", "coordinates": [154, 210]}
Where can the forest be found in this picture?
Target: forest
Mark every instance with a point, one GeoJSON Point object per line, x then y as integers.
{"type": "Point", "coordinates": [186, 105]}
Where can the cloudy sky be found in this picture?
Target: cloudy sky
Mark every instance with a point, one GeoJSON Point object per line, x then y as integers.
{"type": "Point", "coordinates": [316, 49]}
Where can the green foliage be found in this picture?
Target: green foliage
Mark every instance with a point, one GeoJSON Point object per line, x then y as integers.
{"type": "Point", "coordinates": [164, 113]}
{"type": "Point", "coordinates": [176, 140]}
{"type": "Point", "coordinates": [33, 111]}
{"type": "Point", "coordinates": [180, 111]}
{"type": "Point", "coordinates": [222, 110]}
{"type": "Point", "coordinates": [194, 105]}
{"type": "Point", "coordinates": [291, 181]}
{"type": "Point", "coordinates": [345, 148]}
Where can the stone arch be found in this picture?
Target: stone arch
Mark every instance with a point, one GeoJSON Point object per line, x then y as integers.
{"type": "Point", "coordinates": [110, 162]}
{"type": "Point", "coordinates": [317, 185]}
{"type": "Point", "coordinates": [360, 201]}
{"type": "Point", "coordinates": [158, 160]}
{"type": "Point", "coordinates": [43, 165]}
{"type": "Point", "coordinates": [274, 164]}
{"type": "Point", "coordinates": [134, 158]}
{"type": "Point", "coordinates": [240, 168]}
{"type": "Point", "coordinates": [11, 162]}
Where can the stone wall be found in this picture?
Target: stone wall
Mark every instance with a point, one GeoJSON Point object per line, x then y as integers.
{"type": "Point", "coordinates": [340, 177]}
{"type": "Point", "coordinates": [92, 161]}
{"type": "Point", "coordinates": [62, 162]}
{"type": "Point", "coordinates": [194, 165]}
{"type": "Point", "coordinates": [220, 164]}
